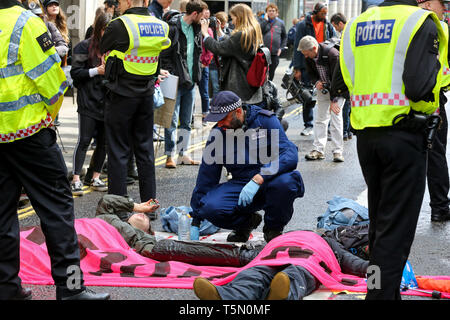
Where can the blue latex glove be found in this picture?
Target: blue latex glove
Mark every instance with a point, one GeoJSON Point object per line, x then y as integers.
{"type": "Point", "coordinates": [247, 193]}
{"type": "Point", "coordinates": [195, 234]}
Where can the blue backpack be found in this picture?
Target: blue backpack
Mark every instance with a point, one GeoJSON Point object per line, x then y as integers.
{"type": "Point", "coordinates": [343, 212]}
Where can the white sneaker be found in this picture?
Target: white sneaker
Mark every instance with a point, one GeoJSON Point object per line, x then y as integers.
{"type": "Point", "coordinates": [98, 185]}
{"type": "Point", "coordinates": [338, 157]}
{"type": "Point", "coordinates": [315, 155]}
{"type": "Point", "coordinates": [307, 131]}
{"type": "Point", "coordinates": [77, 188]}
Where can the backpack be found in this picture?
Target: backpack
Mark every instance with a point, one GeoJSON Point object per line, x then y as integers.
{"type": "Point", "coordinates": [343, 212]}
{"type": "Point", "coordinates": [257, 73]}
{"type": "Point", "coordinates": [330, 43]}
{"type": "Point", "coordinates": [355, 239]}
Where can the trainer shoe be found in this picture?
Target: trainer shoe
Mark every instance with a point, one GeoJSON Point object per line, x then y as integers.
{"type": "Point", "coordinates": [338, 157]}
{"type": "Point", "coordinates": [307, 131]}
{"type": "Point", "coordinates": [205, 290]}
{"type": "Point", "coordinates": [279, 287]}
{"type": "Point", "coordinates": [77, 188]}
{"type": "Point", "coordinates": [440, 216]}
{"type": "Point", "coordinates": [315, 155]}
{"type": "Point", "coordinates": [98, 185]}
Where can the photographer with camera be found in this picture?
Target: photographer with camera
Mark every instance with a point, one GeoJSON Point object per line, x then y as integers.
{"type": "Point", "coordinates": [321, 61]}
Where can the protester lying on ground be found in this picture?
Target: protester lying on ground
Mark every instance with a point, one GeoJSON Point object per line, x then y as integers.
{"type": "Point", "coordinates": [134, 226]}
{"type": "Point", "coordinates": [268, 280]}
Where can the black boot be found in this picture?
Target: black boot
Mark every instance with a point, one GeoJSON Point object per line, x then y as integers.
{"type": "Point", "coordinates": [242, 235]}
{"type": "Point", "coordinates": [23, 294]}
{"type": "Point", "coordinates": [440, 216]}
{"type": "Point", "coordinates": [270, 234]}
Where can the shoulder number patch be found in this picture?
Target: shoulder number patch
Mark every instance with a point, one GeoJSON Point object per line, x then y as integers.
{"type": "Point", "coordinates": [45, 41]}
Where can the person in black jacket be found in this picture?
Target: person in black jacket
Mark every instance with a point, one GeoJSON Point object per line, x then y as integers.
{"type": "Point", "coordinates": [88, 73]}
{"type": "Point", "coordinates": [289, 282]}
{"type": "Point", "coordinates": [306, 27]}
{"type": "Point", "coordinates": [182, 59]}
{"type": "Point", "coordinates": [274, 35]}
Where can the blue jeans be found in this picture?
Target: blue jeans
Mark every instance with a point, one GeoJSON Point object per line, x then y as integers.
{"type": "Point", "coordinates": [214, 76]}
{"type": "Point", "coordinates": [203, 87]}
{"type": "Point", "coordinates": [184, 107]}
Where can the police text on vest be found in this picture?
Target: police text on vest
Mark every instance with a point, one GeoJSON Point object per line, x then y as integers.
{"type": "Point", "coordinates": [373, 32]}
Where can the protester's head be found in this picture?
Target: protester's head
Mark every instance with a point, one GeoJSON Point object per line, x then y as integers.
{"type": "Point", "coordinates": [206, 14]}
{"type": "Point", "coordinates": [320, 11]}
{"type": "Point", "coordinates": [183, 4]}
{"type": "Point", "coordinates": [222, 17]}
{"type": "Point", "coordinates": [56, 15]}
{"type": "Point", "coordinates": [226, 110]}
{"type": "Point", "coordinates": [260, 14]}
{"type": "Point", "coordinates": [295, 21]}
{"type": "Point", "coordinates": [338, 21]}
{"type": "Point", "coordinates": [165, 3]}
{"type": "Point", "coordinates": [142, 222]}
{"type": "Point", "coordinates": [195, 9]}
{"type": "Point", "coordinates": [124, 5]}
{"type": "Point", "coordinates": [437, 6]}
{"type": "Point", "coordinates": [100, 23]}
{"type": "Point", "coordinates": [272, 11]}
{"type": "Point", "coordinates": [245, 22]}
{"type": "Point", "coordinates": [308, 46]}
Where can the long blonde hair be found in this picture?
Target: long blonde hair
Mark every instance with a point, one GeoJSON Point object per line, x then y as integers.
{"type": "Point", "coordinates": [248, 25]}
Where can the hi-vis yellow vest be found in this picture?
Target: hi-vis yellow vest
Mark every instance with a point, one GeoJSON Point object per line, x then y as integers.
{"type": "Point", "coordinates": [444, 60]}
{"type": "Point", "coordinates": [372, 55]}
{"type": "Point", "coordinates": [32, 83]}
{"type": "Point", "coordinates": [148, 37]}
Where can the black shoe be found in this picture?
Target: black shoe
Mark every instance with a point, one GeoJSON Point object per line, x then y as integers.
{"type": "Point", "coordinates": [242, 235]}
{"type": "Point", "coordinates": [87, 295]}
{"type": "Point", "coordinates": [133, 174]}
{"type": "Point", "coordinates": [271, 234]}
{"type": "Point", "coordinates": [23, 294]}
{"type": "Point", "coordinates": [440, 217]}
{"type": "Point", "coordinates": [130, 180]}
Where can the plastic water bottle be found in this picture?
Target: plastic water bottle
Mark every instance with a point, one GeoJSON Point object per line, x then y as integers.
{"type": "Point", "coordinates": [184, 226]}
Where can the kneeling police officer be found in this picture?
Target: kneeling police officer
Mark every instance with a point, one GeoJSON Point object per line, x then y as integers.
{"type": "Point", "coordinates": [270, 184]}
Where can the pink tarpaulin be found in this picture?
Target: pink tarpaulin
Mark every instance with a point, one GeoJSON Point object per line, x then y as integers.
{"type": "Point", "coordinates": [107, 260]}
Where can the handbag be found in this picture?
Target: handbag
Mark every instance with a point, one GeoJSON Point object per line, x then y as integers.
{"type": "Point", "coordinates": [158, 97]}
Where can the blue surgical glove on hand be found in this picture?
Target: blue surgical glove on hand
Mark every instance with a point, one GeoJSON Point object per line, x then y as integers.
{"type": "Point", "coordinates": [247, 193]}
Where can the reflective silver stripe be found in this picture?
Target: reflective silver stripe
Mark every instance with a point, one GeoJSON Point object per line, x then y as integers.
{"type": "Point", "coordinates": [134, 32]}
{"type": "Point", "coordinates": [401, 48]}
{"type": "Point", "coordinates": [349, 57]}
{"type": "Point", "coordinates": [11, 71]}
{"type": "Point", "coordinates": [42, 68]}
{"type": "Point", "coordinates": [19, 104]}
{"type": "Point", "coordinates": [14, 42]}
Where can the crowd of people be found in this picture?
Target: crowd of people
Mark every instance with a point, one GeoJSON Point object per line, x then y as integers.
{"type": "Point", "coordinates": [133, 45]}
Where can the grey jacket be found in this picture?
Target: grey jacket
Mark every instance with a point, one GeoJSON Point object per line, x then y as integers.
{"type": "Point", "coordinates": [234, 67]}
{"type": "Point", "coordinates": [116, 210]}
{"type": "Point", "coordinates": [62, 48]}
{"type": "Point", "coordinates": [274, 35]}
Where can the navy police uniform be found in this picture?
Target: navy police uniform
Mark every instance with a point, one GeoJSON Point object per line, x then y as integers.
{"type": "Point", "coordinates": [218, 202]}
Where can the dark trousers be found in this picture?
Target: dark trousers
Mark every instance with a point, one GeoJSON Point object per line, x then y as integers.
{"type": "Point", "coordinates": [87, 127]}
{"type": "Point", "coordinates": [275, 60]}
{"type": "Point", "coordinates": [275, 197]}
{"type": "Point", "coordinates": [437, 171]}
{"type": "Point", "coordinates": [393, 163]}
{"type": "Point", "coordinates": [308, 110]}
{"type": "Point", "coordinates": [37, 164]}
{"type": "Point", "coordinates": [254, 283]}
{"type": "Point", "coordinates": [346, 116]}
{"type": "Point", "coordinates": [130, 120]}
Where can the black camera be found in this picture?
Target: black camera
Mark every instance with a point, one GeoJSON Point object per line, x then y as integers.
{"type": "Point", "coordinates": [297, 91]}
{"type": "Point", "coordinates": [326, 88]}
{"type": "Point", "coordinates": [213, 23]}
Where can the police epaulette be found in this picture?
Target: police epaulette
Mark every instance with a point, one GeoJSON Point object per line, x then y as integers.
{"type": "Point", "coordinates": [265, 112]}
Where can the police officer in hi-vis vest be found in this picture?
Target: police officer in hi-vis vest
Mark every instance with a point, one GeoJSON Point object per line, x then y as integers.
{"type": "Point", "coordinates": [132, 44]}
{"type": "Point", "coordinates": [389, 62]}
{"type": "Point", "coordinates": [32, 86]}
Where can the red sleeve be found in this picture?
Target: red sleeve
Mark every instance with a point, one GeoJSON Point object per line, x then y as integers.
{"type": "Point", "coordinates": [206, 55]}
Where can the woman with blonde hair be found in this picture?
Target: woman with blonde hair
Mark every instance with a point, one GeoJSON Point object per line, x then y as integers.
{"type": "Point", "coordinates": [237, 52]}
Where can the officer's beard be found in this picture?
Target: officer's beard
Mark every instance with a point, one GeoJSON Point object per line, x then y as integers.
{"type": "Point", "coordinates": [236, 123]}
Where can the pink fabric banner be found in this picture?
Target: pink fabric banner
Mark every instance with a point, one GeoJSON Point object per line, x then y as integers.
{"type": "Point", "coordinates": [107, 260]}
